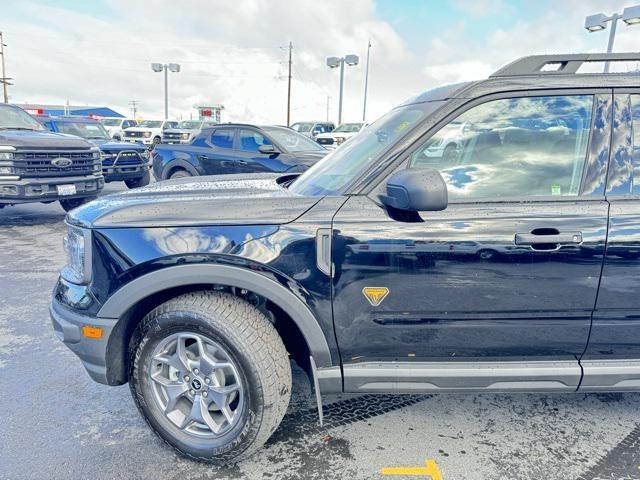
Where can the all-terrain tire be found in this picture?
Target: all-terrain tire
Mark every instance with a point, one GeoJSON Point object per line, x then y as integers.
{"type": "Point", "coordinates": [71, 203]}
{"type": "Point", "coordinates": [140, 181]}
{"type": "Point", "coordinates": [251, 342]}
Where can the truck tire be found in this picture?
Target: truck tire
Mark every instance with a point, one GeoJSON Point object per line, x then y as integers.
{"type": "Point", "coordinates": [140, 181]}
{"type": "Point", "coordinates": [210, 375]}
{"type": "Point", "coordinates": [71, 203]}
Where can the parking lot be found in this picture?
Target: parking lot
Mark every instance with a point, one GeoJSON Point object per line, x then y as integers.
{"type": "Point", "coordinates": [57, 423]}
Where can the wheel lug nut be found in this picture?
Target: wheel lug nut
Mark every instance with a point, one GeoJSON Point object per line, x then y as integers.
{"type": "Point", "coordinates": [207, 381]}
{"type": "Point", "coordinates": [204, 394]}
{"type": "Point", "coordinates": [196, 371]}
{"type": "Point", "coordinates": [186, 378]}
{"type": "Point", "coordinates": [192, 392]}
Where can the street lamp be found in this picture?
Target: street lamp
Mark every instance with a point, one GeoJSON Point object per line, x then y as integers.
{"type": "Point", "coordinates": [166, 67]}
{"type": "Point", "coordinates": [334, 62]}
{"type": "Point", "coordinates": [598, 22]}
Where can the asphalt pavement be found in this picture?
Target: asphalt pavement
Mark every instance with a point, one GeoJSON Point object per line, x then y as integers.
{"type": "Point", "coordinates": [56, 423]}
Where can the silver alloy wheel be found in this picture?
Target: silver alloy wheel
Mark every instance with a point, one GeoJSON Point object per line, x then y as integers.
{"type": "Point", "coordinates": [196, 384]}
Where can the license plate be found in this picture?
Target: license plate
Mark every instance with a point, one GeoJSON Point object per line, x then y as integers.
{"type": "Point", "coordinates": [66, 189]}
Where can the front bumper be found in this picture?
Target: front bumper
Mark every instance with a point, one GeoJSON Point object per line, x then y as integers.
{"type": "Point", "coordinates": [68, 325]}
{"type": "Point", "coordinates": [139, 140]}
{"type": "Point", "coordinates": [125, 172]}
{"type": "Point", "coordinates": [28, 190]}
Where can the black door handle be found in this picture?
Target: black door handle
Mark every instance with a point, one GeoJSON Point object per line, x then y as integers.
{"type": "Point", "coordinates": [242, 162]}
{"type": "Point", "coordinates": [548, 236]}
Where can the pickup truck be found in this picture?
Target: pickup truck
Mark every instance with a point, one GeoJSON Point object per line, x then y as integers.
{"type": "Point", "coordinates": [121, 161]}
{"type": "Point", "coordinates": [148, 132]}
{"type": "Point", "coordinates": [40, 166]}
{"type": "Point", "coordinates": [199, 292]}
{"type": "Point", "coordinates": [185, 131]}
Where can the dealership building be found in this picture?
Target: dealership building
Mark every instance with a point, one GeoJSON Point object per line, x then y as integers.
{"type": "Point", "coordinates": [60, 110]}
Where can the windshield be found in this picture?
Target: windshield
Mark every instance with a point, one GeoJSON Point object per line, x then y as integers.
{"type": "Point", "coordinates": [110, 122]}
{"type": "Point", "coordinates": [190, 124]}
{"type": "Point", "coordinates": [292, 141]}
{"type": "Point", "coordinates": [90, 131]}
{"type": "Point", "coordinates": [349, 128]}
{"type": "Point", "coordinates": [151, 123]}
{"type": "Point", "coordinates": [302, 126]}
{"type": "Point", "coordinates": [335, 171]}
{"type": "Point", "coordinates": [14, 118]}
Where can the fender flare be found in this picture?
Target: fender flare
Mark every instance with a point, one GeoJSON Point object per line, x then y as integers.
{"type": "Point", "coordinates": [178, 162]}
{"type": "Point", "coordinates": [181, 275]}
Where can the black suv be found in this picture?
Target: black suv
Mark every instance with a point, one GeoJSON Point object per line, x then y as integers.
{"type": "Point", "coordinates": [237, 148]}
{"type": "Point", "coordinates": [40, 166]}
{"type": "Point", "coordinates": [507, 264]}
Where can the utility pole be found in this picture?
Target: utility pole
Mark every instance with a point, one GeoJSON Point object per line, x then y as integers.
{"type": "Point", "coordinates": [366, 83]}
{"type": "Point", "coordinates": [134, 107]}
{"type": "Point", "coordinates": [328, 100]}
{"type": "Point", "coordinates": [289, 86]}
{"type": "Point", "coordinates": [5, 80]}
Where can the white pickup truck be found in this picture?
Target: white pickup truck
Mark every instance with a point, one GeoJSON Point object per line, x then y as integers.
{"type": "Point", "coordinates": [148, 132]}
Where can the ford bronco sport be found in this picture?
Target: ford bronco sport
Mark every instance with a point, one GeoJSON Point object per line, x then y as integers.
{"type": "Point", "coordinates": [509, 264]}
{"type": "Point", "coordinates": [40, 166]}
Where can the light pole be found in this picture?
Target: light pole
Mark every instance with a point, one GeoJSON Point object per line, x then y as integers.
{"type": "Point", "coordinates": [597, 22]}
{"type": "Point", "coordinates": [366, 83]}
{"type": "Point", "coordinates": [166, 67]}
{"type": "Point", "coordinates": [334, 62]}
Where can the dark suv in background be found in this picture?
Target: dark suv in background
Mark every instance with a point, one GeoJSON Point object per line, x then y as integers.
{"type": "Point", "coordinates": [40, 166]}
{"type": "Point", "coordinates": [371, 270]}
{"type": "Point", "coordinates": [237, 148]}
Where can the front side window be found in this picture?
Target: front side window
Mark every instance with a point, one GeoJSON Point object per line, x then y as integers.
{"type": "Point", "coordinates": [222, 138]}
{"type": "Point", "coordinates": [251, 141]}
{"type": "Point", "coordinates": [515, 147]}
{"type": "Point", "coordinates": [90, 131]}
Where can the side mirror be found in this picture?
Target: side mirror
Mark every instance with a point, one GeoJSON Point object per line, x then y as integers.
{"type": "Point", "coordinates": [416, 190]}
{"type": "Point", "coordinates": [268, 149]}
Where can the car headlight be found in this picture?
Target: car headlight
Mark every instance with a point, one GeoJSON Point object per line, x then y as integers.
{"type": "Point", "coordinates": [77, 245]}
{"type": "Point", "coordinates": [6, 152]}
{"type": "Point", "coordinates": [7, 171]}
{"type": "Point", "coordinates": [185, 136]}
{"type": "Point", "coordinates": [144, 154]}
{"type": "Point", "coordinates": [147, 134]}
{"type": "Point", "coordinates": [95, 153]}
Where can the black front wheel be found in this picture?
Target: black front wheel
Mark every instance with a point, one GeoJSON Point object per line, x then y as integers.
{"type": "Point", "coordinates": [179, 174]}
{"type": "Point", "coordinates": [140, 181]}
{"type": "Point", "coordinates": [71, 203]}
{"type": "Point", "coordinates": [211, 376]}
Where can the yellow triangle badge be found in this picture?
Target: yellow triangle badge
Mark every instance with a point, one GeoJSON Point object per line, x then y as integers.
{"type": "Point", "coordinates": [375, 295]}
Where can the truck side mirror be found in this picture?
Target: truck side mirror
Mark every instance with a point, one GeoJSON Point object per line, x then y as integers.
{"type": "Point", "coordinates": [268, 149]}
{"type": "Point", "coordinates": [416, 190]}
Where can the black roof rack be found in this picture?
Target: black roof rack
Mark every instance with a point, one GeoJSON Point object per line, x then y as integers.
{"type": "Point", "coordinates": [561, 64]}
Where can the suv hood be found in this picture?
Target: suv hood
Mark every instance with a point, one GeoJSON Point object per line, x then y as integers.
{"type": "Point", "coordinates": [181, 130]}
{"type": "Point", "coordinates": [310, 157]}
{"type": "Point", "coordinates": [141, 129]}
{"type": "Point", "coordinates": [196, 201]}
{"type": "Point", "coordinates": [41, 139]}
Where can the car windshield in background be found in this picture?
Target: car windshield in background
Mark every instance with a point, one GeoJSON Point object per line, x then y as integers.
{"type": "Point", "coordinates": [17, 119]}
{"type": "Point", "coordinates": [110, 122]}
{"type": "Point", "coordinates": [91, 131]}
{"type": "Point", "coordinates": [150, 124]}
{"type": "Point", "coordinates": [348, 128]}
{"type": "Point", "coordinates": [292, 141]}
{"type": "Point", "coordinates": [302, 126]}
{"type": "Point", "coordinates": [189, 124]}
{"type": "Point", "coordinates": [335, 171]}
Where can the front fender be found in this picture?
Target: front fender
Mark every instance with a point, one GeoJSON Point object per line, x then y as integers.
{"type": "Point", "coordinates": [126, 297]}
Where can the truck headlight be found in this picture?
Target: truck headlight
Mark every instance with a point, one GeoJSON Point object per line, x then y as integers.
{"type": "Point", "coordinates": [147, 134]}
{"type": "Point", "coordinates": [6, 152]}
{"type": "Point", "coordinates": [77, 245]}
{"type": "Point", "coordinates": [185, 136]}
{"type": "Point", "coordinates": [7, 170]}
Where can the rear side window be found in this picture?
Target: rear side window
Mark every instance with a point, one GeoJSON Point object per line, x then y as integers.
{"type": "Point", "coordinates": [251, 141]}
{"type": "Point", "coordinates": [222, 138]}
{"type": "Point", "coordinates": [515, 147]}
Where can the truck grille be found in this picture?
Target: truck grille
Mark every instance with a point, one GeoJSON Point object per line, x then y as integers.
{"type": "Point", "coordinates": [325, 141]}
{"type": "Point", "coordinates": [129, 134]}
{"type": "Point", "coordinates": [171, 136]}
{"type": "Point", "coordinates": [39, 164]}
{"type": "Point", "coordinates": [123, 159]}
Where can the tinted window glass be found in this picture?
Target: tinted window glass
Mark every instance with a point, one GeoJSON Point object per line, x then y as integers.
{"type": "Point", "coordinates": [515, 147]}
{"type": "Point", "coordinates": [222, 138]}
{"type": "Point", "coordinates": [250, 140]}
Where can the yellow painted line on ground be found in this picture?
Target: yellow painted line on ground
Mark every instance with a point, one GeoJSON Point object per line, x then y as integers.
{"type": "Point", "coordinates": [430, 469]}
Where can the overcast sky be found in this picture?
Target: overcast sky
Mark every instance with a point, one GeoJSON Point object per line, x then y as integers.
{"type": "Point", "coordinates": [234, 52]}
